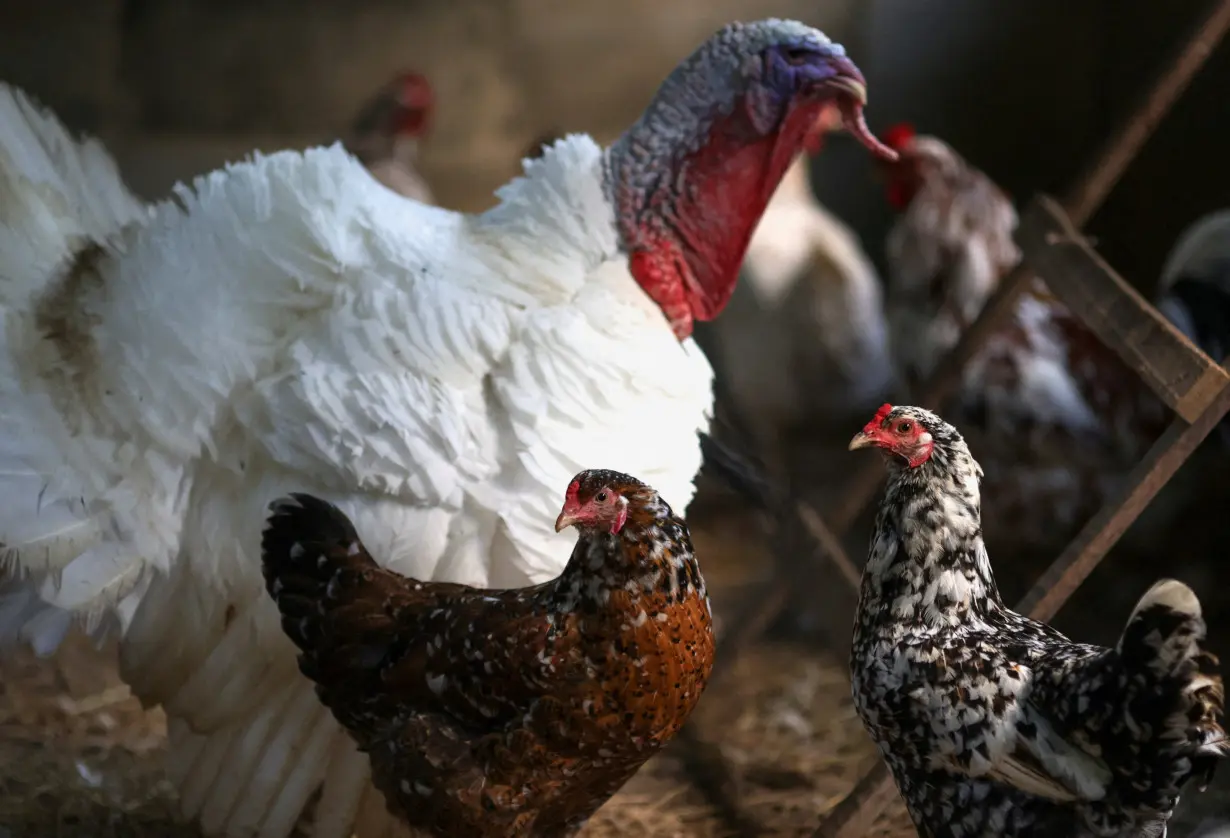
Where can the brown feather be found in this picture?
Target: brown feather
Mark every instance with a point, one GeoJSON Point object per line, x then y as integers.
{"type": "Point", "coordinates": [500, 712]}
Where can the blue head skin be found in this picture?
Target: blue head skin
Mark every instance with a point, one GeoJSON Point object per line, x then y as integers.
{"type": "Point", "coordinates": [690, 180]}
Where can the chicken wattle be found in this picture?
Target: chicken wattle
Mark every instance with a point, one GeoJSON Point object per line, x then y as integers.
{"type": "Point", "coordinates": [502, 712]}
{"type": "Point", "coordinates": [288, 324]}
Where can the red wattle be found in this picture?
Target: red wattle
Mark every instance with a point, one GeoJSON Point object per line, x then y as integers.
{"type": "Point", "coordinates": [897, 136]}
{"type": "Point", "coordinates": [660, 272]}
{"type": "Point", "coordinates": [692, 270]}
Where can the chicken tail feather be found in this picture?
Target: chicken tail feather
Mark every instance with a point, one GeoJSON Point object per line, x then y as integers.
{"type": "Point", "coordinates": [333, 596]}
{"type": "Point", "coordinates": [310, 551]}
{"type": "Point", "coordinates": [1165, 638]}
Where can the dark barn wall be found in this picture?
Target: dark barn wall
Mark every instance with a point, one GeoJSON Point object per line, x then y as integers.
{"type": "Point", "coordinates": [179, 86]}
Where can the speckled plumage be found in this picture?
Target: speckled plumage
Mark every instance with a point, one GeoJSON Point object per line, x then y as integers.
{"type": "Point", "coordinates": [500, 712]}
{"type": "Point", "coordinates": [997, 725]}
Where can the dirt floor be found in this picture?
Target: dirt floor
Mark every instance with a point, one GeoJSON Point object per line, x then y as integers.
{"type": "Point", "coordinates": [79, 757]}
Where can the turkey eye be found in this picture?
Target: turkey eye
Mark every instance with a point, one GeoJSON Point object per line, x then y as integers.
{"type": "Point", "coordinates": [904, 427]}
{"type": "Point", "coordinates": [600, 497]}
{"type": "Point", "coordinates": [797, 56]}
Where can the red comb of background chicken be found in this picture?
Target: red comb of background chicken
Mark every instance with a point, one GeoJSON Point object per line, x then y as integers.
{"type": "Point", "coordinates": [880, 416]}
{"type": "Point", "coordinates": [416, 100]}
{"type": "Point", "coordinates": [897, 136]}
{"type": "Point", "coordinates": [415, 91]}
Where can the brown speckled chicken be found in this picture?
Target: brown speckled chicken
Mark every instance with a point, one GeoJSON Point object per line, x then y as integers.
{"type": "Point", "coordinates": [502, 712]}
{"type": "Point", "coordinates": [386, 133]}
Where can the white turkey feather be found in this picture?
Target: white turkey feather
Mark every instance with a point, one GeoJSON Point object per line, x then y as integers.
{"type": "Point", "coordinates": [55, 193]}
{"type": "Point", "coordinates": [288, 324]}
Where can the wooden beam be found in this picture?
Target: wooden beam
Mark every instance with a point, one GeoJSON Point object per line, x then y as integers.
{"type": "Point", "coordinates": [1096, 538]}
{"type": "Point", "coordinates": [1180, 374]}
{"type": "Point", "coordinates": [857, 812]}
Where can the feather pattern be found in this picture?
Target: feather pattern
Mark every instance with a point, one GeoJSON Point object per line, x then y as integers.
{"type": "Point", "coordinates": [995, 724]}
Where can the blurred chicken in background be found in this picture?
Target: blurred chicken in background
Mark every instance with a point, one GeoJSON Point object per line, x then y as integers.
{"type": "Point", "coordinates": [541, 143]}
{"type": "Point", "coordinates": [802, 347]}
{"type": "Point", "coordinates": [1195, 288]}
{"type": "Point", "coordinates": [386, 133]}
{"type": "Point", "coordinates": [1056, 417]}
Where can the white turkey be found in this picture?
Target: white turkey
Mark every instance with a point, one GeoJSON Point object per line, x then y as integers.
{"type": "Point", "coordinates": [287, 324]}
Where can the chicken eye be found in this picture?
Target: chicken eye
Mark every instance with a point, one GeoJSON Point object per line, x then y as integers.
{"type": "Point", "coordinates": [905, 427]}
{"type": "Point", "coordinates": [601, 497]}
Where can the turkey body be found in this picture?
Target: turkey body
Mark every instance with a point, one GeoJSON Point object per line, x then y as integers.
{"type": "Point", "coordinates": [289, 324]}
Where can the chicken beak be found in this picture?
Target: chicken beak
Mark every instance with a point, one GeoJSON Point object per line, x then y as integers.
{"type": "Point", "coordinates": [862, 439]}
{"type": "Point", "coordinates": [564, 520]}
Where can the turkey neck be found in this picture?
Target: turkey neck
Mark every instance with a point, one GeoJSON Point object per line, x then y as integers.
{"type": "Point", "coordinates": [928, 565]}
{"type": "Point", "coordinates": [690, 180]}
{"type": "Point", "coordinates": [650, 557]}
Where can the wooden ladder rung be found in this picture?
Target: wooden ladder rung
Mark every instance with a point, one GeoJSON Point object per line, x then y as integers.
{"type": "Point", "coordinates": [1175, 369]}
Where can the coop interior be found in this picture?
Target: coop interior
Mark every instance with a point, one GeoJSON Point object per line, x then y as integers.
{"type": "Point", "coordinates": [1033, 94]}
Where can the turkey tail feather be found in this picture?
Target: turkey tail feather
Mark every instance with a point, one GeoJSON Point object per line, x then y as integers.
{"type": "Point", "coordinates": [57, 193]}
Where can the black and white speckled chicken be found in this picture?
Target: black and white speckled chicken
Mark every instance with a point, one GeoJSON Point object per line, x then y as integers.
{"type": "Point", "coordinates": [997, 725]}
{"type": "Point", "coordinates": [502, 712]}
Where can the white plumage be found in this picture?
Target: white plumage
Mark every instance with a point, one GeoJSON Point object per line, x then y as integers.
{"type": "Point", "coordinates": [287, 324]}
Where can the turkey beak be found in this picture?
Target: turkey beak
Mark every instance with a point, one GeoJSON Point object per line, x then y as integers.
{"type": "Point", "coordinates": [564, 520]}
{"type": "Point", "coordinates": [862, 439]}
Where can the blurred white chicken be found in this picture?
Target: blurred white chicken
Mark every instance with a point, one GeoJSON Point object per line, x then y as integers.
{"type": "Point", "coordinates": [1195, 284]}
{"type": "Point", "coordinates": [803, 342]}
{"type": "Point", "coordinates": [287, 324]}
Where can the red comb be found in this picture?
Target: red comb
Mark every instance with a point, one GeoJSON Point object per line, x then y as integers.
{"type": "Point", "coordinates": [897, 136]}
{"type": "Point", "coordinates": [571, 496]}
{"type": "Point", "coordinates": [880, 416]}
{"type": "Point", "coordinates": [415, 90]}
